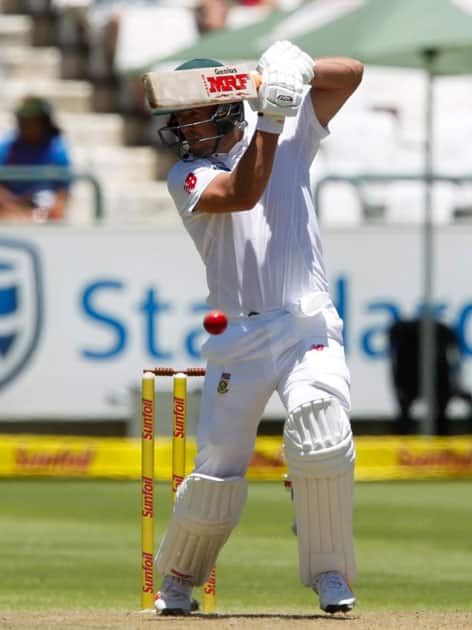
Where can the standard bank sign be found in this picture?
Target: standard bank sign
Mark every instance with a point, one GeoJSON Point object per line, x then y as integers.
{"type": "Point", "coordinates": [20, 306]}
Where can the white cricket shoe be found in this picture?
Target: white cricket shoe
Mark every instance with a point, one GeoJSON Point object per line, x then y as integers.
{"type": "Point", "coordinates": [335, 593]}
{"type": "Point", "coordinates": [174, 597]}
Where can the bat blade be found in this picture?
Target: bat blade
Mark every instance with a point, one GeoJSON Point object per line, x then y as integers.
{"type": "Point", "coordinates": [199, 87]}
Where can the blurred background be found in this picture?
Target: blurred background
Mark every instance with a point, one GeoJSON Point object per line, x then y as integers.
{"type": "Point", "coordinates": [98, 280]}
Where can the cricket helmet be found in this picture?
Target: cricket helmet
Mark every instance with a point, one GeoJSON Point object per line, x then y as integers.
{"type": "Point", "coordinates": [225, 117]}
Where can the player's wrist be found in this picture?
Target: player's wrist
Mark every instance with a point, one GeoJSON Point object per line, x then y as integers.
{"type": "Point", "coordinates": [269, 124]}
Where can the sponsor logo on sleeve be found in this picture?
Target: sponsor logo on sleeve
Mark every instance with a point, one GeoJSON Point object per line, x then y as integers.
{"type": "Point", "coordinates": [190, 183]}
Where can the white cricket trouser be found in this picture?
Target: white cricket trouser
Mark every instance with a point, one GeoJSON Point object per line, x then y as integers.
{"type": "Point", "coordinates": [302, 358]}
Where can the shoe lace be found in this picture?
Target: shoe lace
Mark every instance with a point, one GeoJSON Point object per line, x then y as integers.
{"type": "Point", "coordinates": [332, 580]}
{"type": "Point", "coordinates": [176, 587]}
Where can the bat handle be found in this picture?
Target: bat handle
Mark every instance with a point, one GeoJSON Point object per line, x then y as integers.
{"type": "Point", "coordinates": [257, 79]}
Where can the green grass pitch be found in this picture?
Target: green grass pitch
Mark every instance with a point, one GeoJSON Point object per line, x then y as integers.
{"type": "Point", "coordinates": [75, 544]}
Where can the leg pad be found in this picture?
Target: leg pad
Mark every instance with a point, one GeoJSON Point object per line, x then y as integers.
{"type": "Point", "coordinates": [320, 455]}
{"type": "Point", "coordinates": [205, 512]}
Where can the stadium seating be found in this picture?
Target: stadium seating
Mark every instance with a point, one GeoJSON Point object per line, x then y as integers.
{"type": "Point", "coordinates": [381, 131]}
{"type": "Point", "coordinates": [97, 140]}
{"type": "Point", "coordinates": [47, 48]}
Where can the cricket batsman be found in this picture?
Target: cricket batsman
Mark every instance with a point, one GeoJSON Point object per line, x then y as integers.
{"type": "Point", "coordinates": [242, 189]}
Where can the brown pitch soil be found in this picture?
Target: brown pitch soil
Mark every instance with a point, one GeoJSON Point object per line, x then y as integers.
{"type": "Point", "coordinates": [73, 620]}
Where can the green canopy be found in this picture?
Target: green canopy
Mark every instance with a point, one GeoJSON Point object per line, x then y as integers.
{"type": "Point", "coordinates": [397, 33]}
{"type": "Point", "coordinates": [381, 32]}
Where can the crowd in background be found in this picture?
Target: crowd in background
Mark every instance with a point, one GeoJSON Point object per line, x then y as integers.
{"type": "Point", "coordinates": [125, 36]}
{"type": "Point", "coordinates": [36, 141]}
{"type": "Point", "coordinates": [105, 42]}
{"type": "Point", "coordinates": [109, 43]}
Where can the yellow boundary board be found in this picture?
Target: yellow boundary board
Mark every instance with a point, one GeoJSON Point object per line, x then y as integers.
{"type": "Point", "coordinates": [378, 458]}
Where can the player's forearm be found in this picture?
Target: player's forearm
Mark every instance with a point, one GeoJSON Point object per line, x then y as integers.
{"type": "Point", "coordinates": [243, 187]}
{"type": "Point", "coordinates": [333, 73]}
{"type": "Point", "coordinates": [253, 171]}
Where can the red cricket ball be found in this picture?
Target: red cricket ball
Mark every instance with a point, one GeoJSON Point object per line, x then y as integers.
{"type": "Point", "coordinates": [215, 322]}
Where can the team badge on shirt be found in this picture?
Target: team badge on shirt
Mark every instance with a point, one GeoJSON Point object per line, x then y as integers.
{"type": "Point", "coordinates": [223, 385]}
{"type": "Point", "coordinates": [190, 182]}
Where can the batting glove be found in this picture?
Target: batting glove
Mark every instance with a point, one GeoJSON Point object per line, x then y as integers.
{"type": "Point", "coordinates": [285, 55]}
{"type": "Point", "coordinates": [280, 95]}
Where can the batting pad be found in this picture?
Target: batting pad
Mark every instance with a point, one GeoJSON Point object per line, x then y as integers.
{"type": "Point", "coordinates": [206, 511]}
{"type": "Point", "coordinates": [320, 455]}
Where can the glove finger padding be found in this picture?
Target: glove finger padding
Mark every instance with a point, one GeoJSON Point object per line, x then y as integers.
{"type": "Point", "coordinates": [275, 54]}
{"type": "Point", "coordinates": [303, 64]}
{"type": "Point", "coordinates": [280, 94]}
{"type": "Point", "coordinates": [284, 54]}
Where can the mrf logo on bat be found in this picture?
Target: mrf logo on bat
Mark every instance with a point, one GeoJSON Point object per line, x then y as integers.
{"type": "Point", "coordinates": [224, 81]}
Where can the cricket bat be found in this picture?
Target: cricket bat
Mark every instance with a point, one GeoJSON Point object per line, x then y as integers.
{"type": "Point", "coordinates": [199, 87]}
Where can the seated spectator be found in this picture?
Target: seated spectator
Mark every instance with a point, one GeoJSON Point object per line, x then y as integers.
{"type": "Point", "coordinates": [211, 15]}
{"type": "Point", "coordinates": [37, 141]}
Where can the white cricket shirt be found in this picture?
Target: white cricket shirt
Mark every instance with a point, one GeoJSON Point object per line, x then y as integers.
{"type": "Point", "coordinates": [270, 256]}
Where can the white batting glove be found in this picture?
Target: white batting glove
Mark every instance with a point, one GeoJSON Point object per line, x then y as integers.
{"type": "Point", "coordinates": [280, 95]}
{"type": "Point", "coordinates": [276, 52]}
{"type": "Point", "coordinates": [285, 55]}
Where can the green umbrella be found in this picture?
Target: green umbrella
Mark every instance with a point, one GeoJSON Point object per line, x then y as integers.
{"type": "Point", "coordinates": [397, 33]}
{"type": "Point", "coordinates": [382, 32]}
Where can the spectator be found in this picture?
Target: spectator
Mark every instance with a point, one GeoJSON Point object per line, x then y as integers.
{"type": "Point", "coordinates": [211, 15]}
{"type": "Point", "coordinates": [37, 141]}
{"type": "Point", "coordinates": [272, 4]}
{"type": "Point", "coordinates": [405, 344]}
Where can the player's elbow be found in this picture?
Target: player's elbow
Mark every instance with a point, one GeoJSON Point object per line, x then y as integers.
{"type": "Point", "coordinates": [226, 194]}
{"type": "Point", "coordinates": [243, 197]}
{"type": "Point", "coordinates": [229, 202]}
{"type": "Point", "coordinates": [247, 201]}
